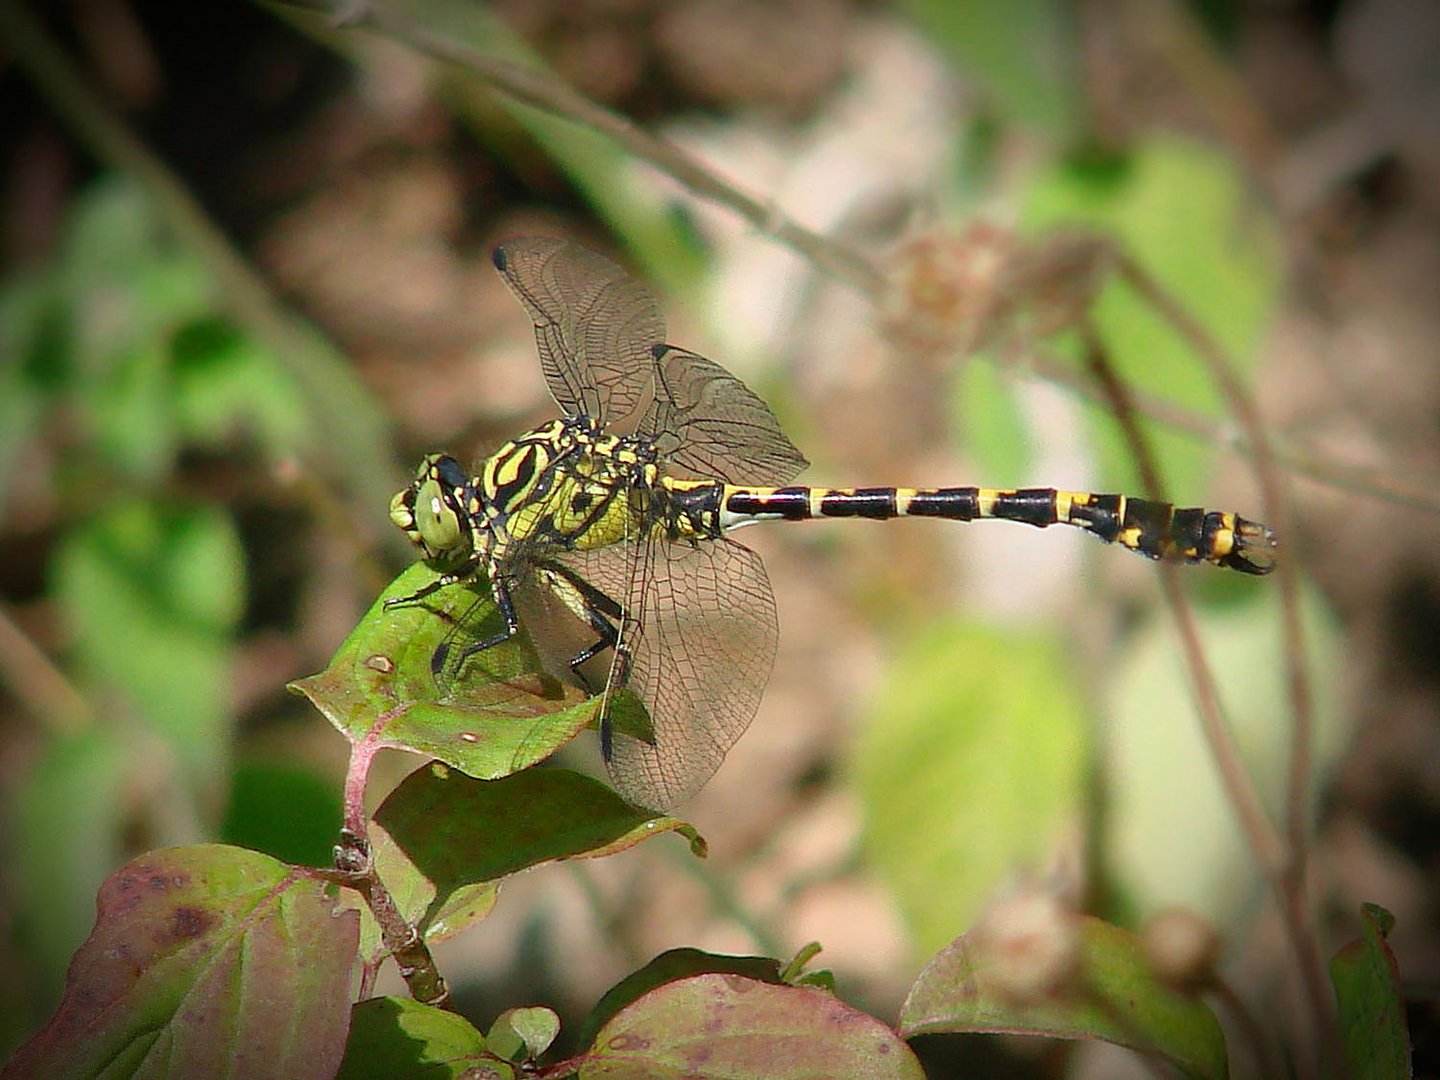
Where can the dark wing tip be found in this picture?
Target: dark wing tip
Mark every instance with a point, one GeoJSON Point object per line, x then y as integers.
{"type": "Point", "coordinates": [500, 258]}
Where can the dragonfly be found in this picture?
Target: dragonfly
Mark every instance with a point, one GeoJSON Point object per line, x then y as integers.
{"type": "Point", "coordinates": [618, 516]}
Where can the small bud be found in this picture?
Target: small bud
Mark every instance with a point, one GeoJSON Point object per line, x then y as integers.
{"type": "Point", "coordinates": [1182, 949]}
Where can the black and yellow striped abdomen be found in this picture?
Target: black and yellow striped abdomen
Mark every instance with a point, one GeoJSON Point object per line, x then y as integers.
{"type": "Point", "coordinates": [1155, 529]}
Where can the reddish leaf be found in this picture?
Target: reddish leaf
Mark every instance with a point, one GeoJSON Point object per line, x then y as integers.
{"type": "Point", "coordinates": [204, 961]}
{"type": "Point", "coordinates": [733, 1027]}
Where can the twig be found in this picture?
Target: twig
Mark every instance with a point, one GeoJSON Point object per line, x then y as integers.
{"type": "Point", "coordinates": [39, 684]}
{"type": "Point", "coordinates": [355, 868]}
{"type": "Point", "coordinates": [1260, 834]}
{"type": "Point", "coordinates": [548, 93]}
{"type": "Point", "coordinates": [1276, 510]}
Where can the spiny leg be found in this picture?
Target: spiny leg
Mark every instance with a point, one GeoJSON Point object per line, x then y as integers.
{"type": "Point", "coordinates": [501, 592]}
{"type": "Point", "coordinates": [603, 615]}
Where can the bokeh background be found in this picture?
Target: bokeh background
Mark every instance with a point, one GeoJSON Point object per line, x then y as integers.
{"type": "Point", "coordinates": [246, 285]}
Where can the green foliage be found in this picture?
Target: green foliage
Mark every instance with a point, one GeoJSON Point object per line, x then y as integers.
{"type": "Point", "coordinates": [1022, 55]}
{"type": "Point", "coordinates": [120, 331]}
{"type": "Point", "coordinates": [66, 826]}
{"type": "Point", "coordinates": [993, 427]}
{"type": "Point", "coordinates": [1105, 991]}
{"type": "Point", "coordinates": [1371, 1002]}
{"type": "Point", "coordinates": [396, 1037]}
{"type": "Point", "coordinates": [151, 593]}
{"type": "Point", "coordinates": [970, 766]}
{"type": "Point", "coordinates": [283, 810]}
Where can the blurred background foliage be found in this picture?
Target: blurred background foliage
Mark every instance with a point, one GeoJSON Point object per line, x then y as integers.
{"type": "Point", "coordinates": [246, 284]}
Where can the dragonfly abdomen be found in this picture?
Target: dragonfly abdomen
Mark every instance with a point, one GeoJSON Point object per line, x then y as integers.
{"type": "Point", "coordinates": [1155, 529]}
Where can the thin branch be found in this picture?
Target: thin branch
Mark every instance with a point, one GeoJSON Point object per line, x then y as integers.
{"type": "Point", "coordinates": [355, 869]}
{"type": "Point", "coordinates": [548, 93]}
{"type": "Point", "coordinates": [1276, 509]}
{"type": "Point", "coordinates": [1264, 841]}
{"type": "Point", "coordinates": [39, 684]}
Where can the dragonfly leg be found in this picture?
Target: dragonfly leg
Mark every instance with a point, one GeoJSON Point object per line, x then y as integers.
{"type": "Point", "coordinates": [597, 610]}
{"type": "Point", "coordinates": [501, 591]}
{"type": "Point", "coordinates": [443, 581]}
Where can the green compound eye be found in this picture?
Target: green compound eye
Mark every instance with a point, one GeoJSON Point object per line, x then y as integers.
{"type": "Point", "coordinates": [437, 525]}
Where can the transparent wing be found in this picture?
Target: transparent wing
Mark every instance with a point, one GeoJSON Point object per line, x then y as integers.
{"type": "Point", "coordinates": [595, 325]}
{"type": "Point", "coordinates": [701, 629]}
{"type": "Point", "coordinates": [709, 423]}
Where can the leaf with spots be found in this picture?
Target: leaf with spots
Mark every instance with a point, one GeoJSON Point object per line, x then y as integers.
{"type": "Point", "coordinates": [733, 1026]}
{"type": "Point", "coordinates": [669, 966]}
{"type": "Point", "coordinates": [501, 713]}
{"type": "Point", "coordinates": [204, 961]}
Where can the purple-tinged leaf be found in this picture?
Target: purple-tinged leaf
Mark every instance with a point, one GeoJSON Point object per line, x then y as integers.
{"type": "Point", "coordinates": [730, 1026]}
{"type": "Point", "coordinates": [204, 961]}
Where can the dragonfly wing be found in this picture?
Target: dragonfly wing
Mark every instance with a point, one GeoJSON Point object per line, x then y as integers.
{"type": "Point", "coordinates": [706, 421]}
{"type": "Point", "coordinates": [701, 633]}
{"type": "Point", "coordinates": [594, 324]}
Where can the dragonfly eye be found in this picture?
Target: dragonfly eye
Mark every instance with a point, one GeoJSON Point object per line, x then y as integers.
{"type": "Point", "coordinates": [436, 522]}
{"type": "Point", "coordinates": [431, 510]}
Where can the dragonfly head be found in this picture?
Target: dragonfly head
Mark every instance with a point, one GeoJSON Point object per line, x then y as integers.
{"type": "Point", "coordinates": [436, 512]}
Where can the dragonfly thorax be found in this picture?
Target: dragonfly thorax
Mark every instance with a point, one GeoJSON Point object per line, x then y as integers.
{"type": "Point", "coordinates": [566, 484]}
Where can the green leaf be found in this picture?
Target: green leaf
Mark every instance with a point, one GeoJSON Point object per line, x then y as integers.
{"type": "Point", "coordinates": [970, 766]}
{"type": "Point", "coordinates": [1022, 54]}
{"type": "Point", "coordinates": [461, 832]}
{"type": "Point", "coordinates": [724, 1025]}
{"type": "Point", "coordinates": [1110, 995]}
{"type": "Point", "coordinates": [498, 715]}
{"type": "Point", "coordinates": [152, 593]}
{"type": "Point", "coordinates": [667, 968]}
{"type": "Point", "coordinates": [1372, 1004]}
{"type": "Point", "coordinates": [204, 961]}
{"type": "Point", "coordinates": [34, 345]}
{"type": "Point", "coordinates": [1183, 210]}
{"type": "Point", "coordinates": [414, 895]}
{"type": "Point", "coordinates": [131, 414]}
{"type": "Point", "coordinates": [523, 1034]}
{"type": "Point", "coordinates": [226, 384]}
{"type": "Point", "coordinates": [1170, 834]}
{"type": "Point", "coordinates": [400, 1039]}
{"type": "Point", "coordinates": [68, 825]}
